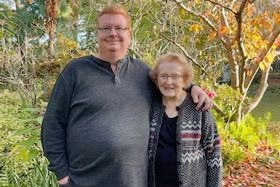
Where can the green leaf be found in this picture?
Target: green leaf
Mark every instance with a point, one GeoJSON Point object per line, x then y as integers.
{"type": "Point", "coordinates": [36, 120]}
{"type": "Point", "coordinates": [33, 153]}
{"type": "Point", "coordinates": [29, 142]}
{"type": "Point", "coordinates": [23, 155]}
{"type": "Point", "coordinates": [39, 119]}
{"type": "Point", "coordinates": [15, 149]}
{"type": "Point", "coordinates": [32, 110]}
{"type": "Point", "coordinates": [22, 131]}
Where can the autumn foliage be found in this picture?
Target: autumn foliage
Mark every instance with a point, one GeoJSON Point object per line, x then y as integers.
{"type": "Point", "coordinates": [247, 36]}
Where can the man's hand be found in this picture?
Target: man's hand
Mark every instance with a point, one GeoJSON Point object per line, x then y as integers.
{"type": "Point", "coordinates": [199, 96]}
{"type": "Point", "coordinates": [63, 181]}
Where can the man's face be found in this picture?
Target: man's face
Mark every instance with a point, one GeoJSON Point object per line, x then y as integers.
{"type": "Point", "coordinates": [113, 34]}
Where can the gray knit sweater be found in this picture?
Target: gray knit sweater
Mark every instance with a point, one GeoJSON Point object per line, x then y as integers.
{"type": "Point", "coordinates": [198, 146]}
{"type": "Point", "coordinates": [96, 125]}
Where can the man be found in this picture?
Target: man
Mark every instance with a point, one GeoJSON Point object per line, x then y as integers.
{"type": "Point", "coordinates": [96, 126]}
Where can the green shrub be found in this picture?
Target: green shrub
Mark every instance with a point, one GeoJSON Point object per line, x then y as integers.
{"type": "Point", "coordinates": [240, 141]}
{"type": "Point", "coordinates": [250, 131]}
{"type": "Point", "coordinates": [21, 160]}
{"type": "Point", "coordinates": [232, 150]}
{"type": "Point", "coordinates": [35, 174]}
{"type": "Point", "coordinates": [226, 100]}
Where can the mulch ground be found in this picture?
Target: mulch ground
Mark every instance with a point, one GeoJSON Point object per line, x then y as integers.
{"type": "Point", "coordinates": [262, 171]}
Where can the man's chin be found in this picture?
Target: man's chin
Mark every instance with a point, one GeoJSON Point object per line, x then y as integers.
{"type": "Point", "coordinates": [113, 49]}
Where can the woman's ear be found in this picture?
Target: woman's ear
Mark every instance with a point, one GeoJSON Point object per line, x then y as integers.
{"type": "Point", "coordinates": [187, 82]}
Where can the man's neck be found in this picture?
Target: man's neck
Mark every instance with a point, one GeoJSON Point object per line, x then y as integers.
{"type": "Point", "coordinates": [112, 58]}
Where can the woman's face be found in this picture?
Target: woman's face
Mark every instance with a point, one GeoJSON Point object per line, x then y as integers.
{"type": "Point", "coordinates": [170, 79]}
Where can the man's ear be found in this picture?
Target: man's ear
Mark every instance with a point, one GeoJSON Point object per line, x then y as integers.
{"type": "Point", "coordinates": [130, 38]}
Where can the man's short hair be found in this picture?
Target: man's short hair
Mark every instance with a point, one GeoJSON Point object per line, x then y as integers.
{"type": "Point", "coordinates": [115, 9]}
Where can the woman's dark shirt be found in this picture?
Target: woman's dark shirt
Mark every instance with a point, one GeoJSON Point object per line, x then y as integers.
{"type": "Point", "coordinates": [166, 174]}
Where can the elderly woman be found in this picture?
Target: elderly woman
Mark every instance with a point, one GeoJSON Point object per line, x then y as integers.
{"type": "Point", "coordinates": [184, 145]}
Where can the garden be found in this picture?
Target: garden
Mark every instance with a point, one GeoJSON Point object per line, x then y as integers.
{"type": "Point", "coordinates": [232, 45]}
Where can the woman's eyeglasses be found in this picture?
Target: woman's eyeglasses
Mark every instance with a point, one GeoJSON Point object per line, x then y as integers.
{"type": "Point", "coordinates": [165, 76]}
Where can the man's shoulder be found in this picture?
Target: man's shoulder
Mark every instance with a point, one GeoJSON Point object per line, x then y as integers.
{"type": "Point", "coordinates": [138, 61]}
{"type": "Point", "coordinates": [76, 64]}
{"type": "Point", "coordinates": [79, 60]}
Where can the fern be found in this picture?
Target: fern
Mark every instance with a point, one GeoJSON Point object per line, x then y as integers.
{"type": "Point", "coordinates": [3, 179]}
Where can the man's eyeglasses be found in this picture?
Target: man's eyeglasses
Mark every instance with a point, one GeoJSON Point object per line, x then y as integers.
{"type": "Point", "coordinates": [174, 77]}
{"type": "Point", "coordinates": [107, 30]}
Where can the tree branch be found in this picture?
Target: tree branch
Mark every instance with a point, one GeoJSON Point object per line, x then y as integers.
{"type": "Point", "coordinates": [224, 7]}
{"type": "Point", "coordinates": [133, 51]}
{"type": "Point", "coordinates": [185, 53]}
{"type": "Point", "coordinates": [205, 19]}
{"type": "Point", "coordinates": [227, 45]}
{"type": "Point", "coordinates": [239, 39]}
{"type": "Point", "coordinates": [239, 19]}
{"type": "Point", "coordinates": [263, 52]}
{"type": "Point", "coordinates": [224, 23]}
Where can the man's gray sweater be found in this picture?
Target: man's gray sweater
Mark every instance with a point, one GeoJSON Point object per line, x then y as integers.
{"type": "Point", "coordinates": [96, 126]}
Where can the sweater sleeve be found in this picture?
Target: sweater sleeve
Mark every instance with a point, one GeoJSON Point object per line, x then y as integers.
{"type": "Point", "coordinates": [53, 134]}
{"type": "Point", "coordinates": [212, 147]}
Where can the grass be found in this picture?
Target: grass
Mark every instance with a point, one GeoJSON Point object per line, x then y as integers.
{"type": "Point", "coordinates": [270, 103]}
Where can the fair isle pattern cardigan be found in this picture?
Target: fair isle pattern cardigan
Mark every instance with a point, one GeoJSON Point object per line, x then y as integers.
{"type": "Point", "coordinates": [198, 146]}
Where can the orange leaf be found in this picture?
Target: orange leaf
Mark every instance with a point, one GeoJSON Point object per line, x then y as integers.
{"type": "Point", "coordinates": [212, 35]}
{"type": "Point", "coordinates": [223, 30]}
{"type": "Point", "coordinates": [277, 42]}
{"type": "Point", "coordinates": [265, 23]}
{"type": "Point", "coordinates": [277, 18]}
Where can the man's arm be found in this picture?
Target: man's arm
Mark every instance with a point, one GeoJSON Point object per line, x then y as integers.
{"type": "Point", "coordinates": [201, 98]}
{"type": "Point", "coordinates": [53, 134]}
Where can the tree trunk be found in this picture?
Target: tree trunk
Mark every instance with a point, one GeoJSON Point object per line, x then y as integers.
{"type": "Point", "coordinates": [52, 10]}
{"type": "Point", "coordinates": [17, 3]}
{"type": "Point", "coordinates": [51, 43]}
{"type": "Point", "coordinates": [260, 92]}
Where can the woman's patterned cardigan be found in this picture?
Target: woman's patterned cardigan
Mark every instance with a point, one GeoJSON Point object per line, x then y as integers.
{"type": "Point", "coordinates": [198, 146]}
